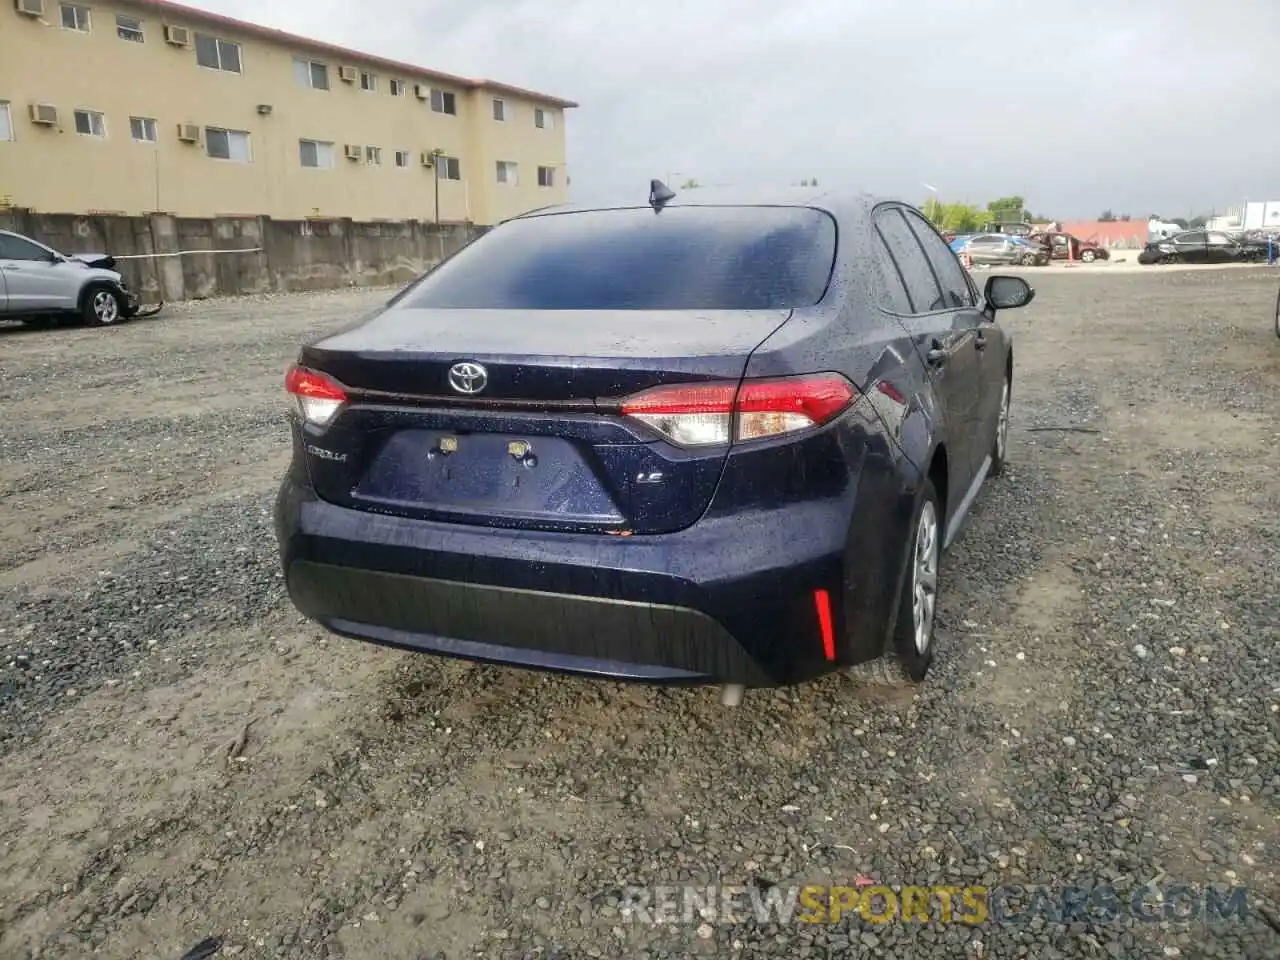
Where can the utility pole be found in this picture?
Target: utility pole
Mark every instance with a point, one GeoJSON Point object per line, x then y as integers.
{"type": "Point", "coordinates": [436, 154]}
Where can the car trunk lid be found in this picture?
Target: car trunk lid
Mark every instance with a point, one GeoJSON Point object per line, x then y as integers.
{"type": "Point", "coordinates": [541, 441]}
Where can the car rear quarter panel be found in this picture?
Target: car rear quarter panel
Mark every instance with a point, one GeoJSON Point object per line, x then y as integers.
{"type": "Point", "coordinates": [879, 482]}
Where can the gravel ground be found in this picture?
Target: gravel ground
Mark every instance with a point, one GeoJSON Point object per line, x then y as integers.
{"type": "Point", "coordinates": [184, 757]}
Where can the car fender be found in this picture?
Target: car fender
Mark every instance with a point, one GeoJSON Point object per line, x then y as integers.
{"type": "Point", "coordinates": [98, 278]}
{"type": "Point", "coordinates": [876, 554]}
{"type": "Point", "coordinates": [879, 549]}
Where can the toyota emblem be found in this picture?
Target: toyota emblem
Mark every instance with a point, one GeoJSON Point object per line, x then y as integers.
{"type": "Point", "coordinates": [468, 377]}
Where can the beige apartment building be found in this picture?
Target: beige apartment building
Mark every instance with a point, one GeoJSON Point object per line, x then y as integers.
{"type": "Point", "coordinates": [142, 106]}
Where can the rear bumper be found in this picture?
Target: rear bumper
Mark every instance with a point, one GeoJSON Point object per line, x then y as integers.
{"type": "Point", "coordinates": [728, 600]}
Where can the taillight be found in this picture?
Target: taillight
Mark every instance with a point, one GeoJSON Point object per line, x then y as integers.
{"type": "Point", "coordinates": [319, 399]}
{"type": "Point", "coordinates": [704, 414]}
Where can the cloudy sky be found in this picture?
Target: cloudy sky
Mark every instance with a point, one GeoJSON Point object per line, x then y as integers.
{"type": "Point", "coordinates": [1139, 106]}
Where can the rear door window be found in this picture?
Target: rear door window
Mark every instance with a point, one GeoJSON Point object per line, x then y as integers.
{"type": "Point", "coordinates": [911, 262]}
{"type": "Point", "coordinates": [684, 258]}
{"type": "Point", "coordinates": [945, 265]}
{"type": "Point", "coordinates": [893, 295]}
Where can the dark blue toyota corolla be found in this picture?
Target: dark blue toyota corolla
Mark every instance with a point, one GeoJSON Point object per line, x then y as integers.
{"type": "Point", "coordinates": [708, 438]}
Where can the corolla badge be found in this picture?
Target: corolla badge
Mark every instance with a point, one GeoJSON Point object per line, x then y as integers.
{"type": "Point", "coordinates": [468, 377]}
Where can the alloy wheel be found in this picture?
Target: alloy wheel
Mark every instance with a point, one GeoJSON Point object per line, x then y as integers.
{"type": "Point", "coordinates": [1002, 426]}
{"type": "Point", "coordinates": [105, 307]}
{"type": "Point", "coordinates": [925, 576]}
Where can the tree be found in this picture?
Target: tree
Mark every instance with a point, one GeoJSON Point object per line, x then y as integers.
{"type": "Point", "coordinates": [1195, 223]}
{"type": "Point", "coordinates": [1007, 209]}
{"type": "Point", "coordinates": [690, 184]}
{"type": "Point", "coordinates": [959, 217]}
{"type": "Point", "coordinates": [1125, 218]}
{"type": "Point", "coordinates": [1106, 217]}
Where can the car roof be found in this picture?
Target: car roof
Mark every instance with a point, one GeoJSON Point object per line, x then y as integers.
{"type": "Point", "coordinates": [839, 203]}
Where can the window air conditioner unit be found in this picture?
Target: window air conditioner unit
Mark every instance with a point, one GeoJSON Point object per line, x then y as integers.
{"type": "Point", "coordinates": [188, 132]}
{"type": "Point", "coordinates": [348, 74]}
{"type": "Point", "coordinates": [353, 151]}
{"type": "Point", "coordinates": [428, 159]}
{"type": "Point", "coordinates": [44, 113]}
{"type": "Point", "coordinates": [422, 91]}
{"type": "Point", "coordinates": [31, 8]}
{"type": "Point", "coordinates": [178, 36]}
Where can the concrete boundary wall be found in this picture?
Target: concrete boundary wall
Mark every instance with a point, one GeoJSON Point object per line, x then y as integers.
{"type": "Point", "coordinates": [294, 254]}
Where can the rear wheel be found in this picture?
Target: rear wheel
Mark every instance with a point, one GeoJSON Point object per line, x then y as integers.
{"type": "Point", "coordinates": [909, 651]}
{"type": "Point", "coordinates": [101, 307]}
{"type": "Point", "coordinates": [1001, 446]}
{"type": "Point", "coordinates": [1029, 259]}
{"type": "Point", "coordinates": [1088, 256]}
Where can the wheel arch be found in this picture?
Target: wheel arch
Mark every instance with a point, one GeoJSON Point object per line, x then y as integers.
{"type": "Point", "coordinates": [97, 283]}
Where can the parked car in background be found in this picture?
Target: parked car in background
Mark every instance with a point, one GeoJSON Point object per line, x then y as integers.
{"type": "Point", "coordinates": [716, 438]}
{"type": "Point", "coordinates": [39, 285]}
{"type": "Point", "coordinates": [1065, 246]}
{"type": "Point", "coordinates": [992, 249]}
{"type": "Point", "coordinates": [1204, 246]}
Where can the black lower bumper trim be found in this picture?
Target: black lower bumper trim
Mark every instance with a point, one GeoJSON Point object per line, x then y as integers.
{"type": "Point", "coordinates": [583, 634]}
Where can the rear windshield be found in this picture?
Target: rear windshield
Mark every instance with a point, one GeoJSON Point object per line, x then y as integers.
{"type": "Point", "coordinates": [684, 258]}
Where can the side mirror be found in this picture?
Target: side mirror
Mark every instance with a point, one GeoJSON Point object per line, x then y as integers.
{"type": "Point", "coordinates": [1008, 293]}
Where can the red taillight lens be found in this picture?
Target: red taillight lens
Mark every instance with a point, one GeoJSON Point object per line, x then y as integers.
{"type": "Point", "coordinates": [703, 414]}
{"type": "Point", "coordinates": [319, 399]}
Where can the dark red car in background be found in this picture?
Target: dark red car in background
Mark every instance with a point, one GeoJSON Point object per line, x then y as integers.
{"type": "Point", "coordinates": [1064, 246]}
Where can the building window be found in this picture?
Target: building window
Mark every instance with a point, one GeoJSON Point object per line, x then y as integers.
{"type": "Point", "coordinates": [90, 123]}
{"type": "Point", "coordinates": [546, 176]}
{"type": "Point", "coordinates": [508, 172]}
{"type": "Point", "coordinates": [448, 168]}
{"type": "Point", "coordinates": [368, 82]}
{"type": "Point", "coordinates": [373, 156]}
{"type": "Point", "coordinates": [129, 28]}
{"type": "Point", "coordinates": [217, 54]}
{"type": "Point", "coordinates": [543, 119]}
{"type": "Point", "coordinates": [402, 158]}
{"type": "Point", "coordinates": [316, 154]}
{"type": "Point", "coordinates": [311, 73]}
{"type": "Point", "coordinates": [223, 144]}
{"type": "Point", "coordinates": [499, 109]}
{"type": "Point", "coordinates": [444, 102]}
{"type": "Point", "coordinates": [6, 121]}
{"type": "Point", "coordinates": [397, 88]}
{"type": "Point", "coordinates": [143, 129]}
{"type": "Point", "coordinates": [75, 17]}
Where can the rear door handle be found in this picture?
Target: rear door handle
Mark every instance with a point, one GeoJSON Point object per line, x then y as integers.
{"type": "Point", "coordinates": [937, 354]}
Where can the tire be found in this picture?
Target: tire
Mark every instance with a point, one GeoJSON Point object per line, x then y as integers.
{"type": "Point", "coordinates": [1000, 447]}
{"type": "Point", "coordinates": [1087, 256]}
{"type": "Point", "coordinates": [905, 662]}
{"type": "Point", "coordinates": [101, 307]}
{"type": "Point", "coordinates": [1029, 260]}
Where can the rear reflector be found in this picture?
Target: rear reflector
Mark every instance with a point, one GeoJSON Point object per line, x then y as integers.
{"type": "Point", "coordinates": [822, 603]}
{"type": "Point", "coordinates": [703, 414]}
{"type": "Point", "coordinates": [319, 399]}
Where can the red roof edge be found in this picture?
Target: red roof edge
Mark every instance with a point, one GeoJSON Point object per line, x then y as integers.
{"type": "Point", "coordinates": [167, 8]}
